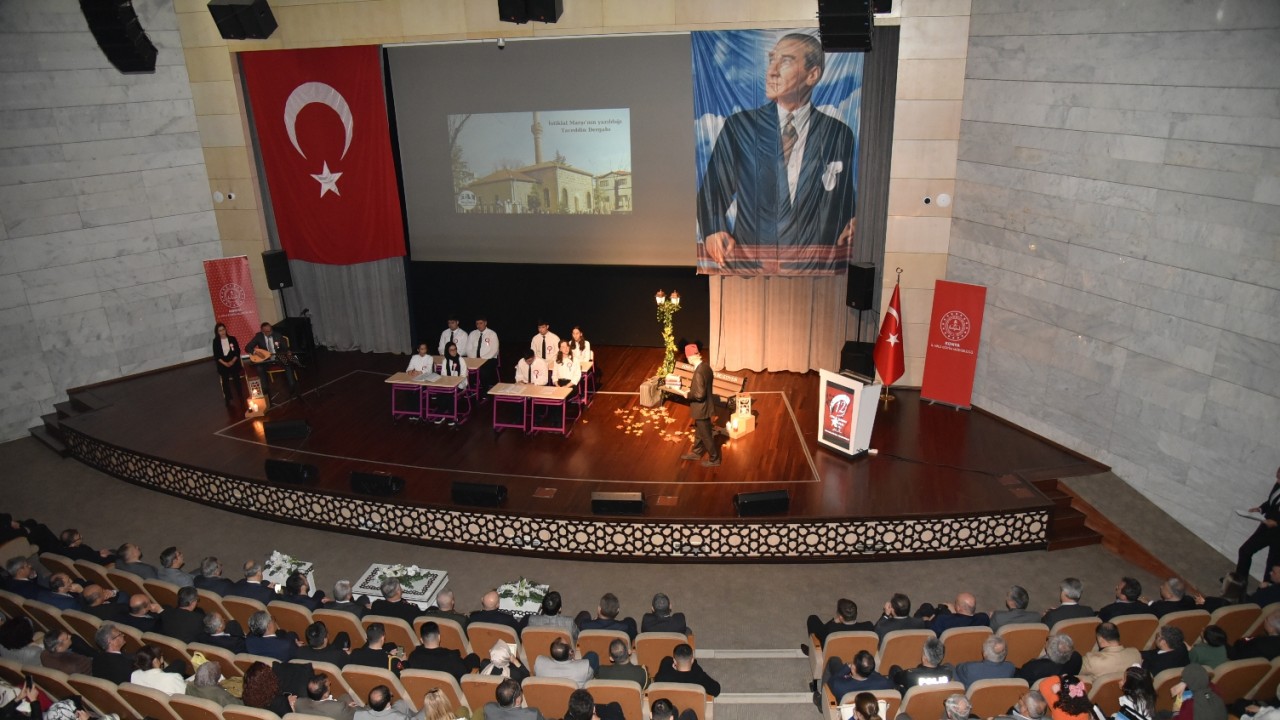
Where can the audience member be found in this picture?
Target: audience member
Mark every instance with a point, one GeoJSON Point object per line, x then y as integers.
{"type": "Point", "coordinates": [22, 578]}
{"type": "Point", "coordinates": [1031, 706]}
{"type": "Point", "coordinates": [380, 707]}
{"type": "Point", "coordinates": [205, 685]}
{"type": "Point", "coordinates": [1059, 657]}
{"type": "Point", "coordinates": [393, 603]}
{"type": "Point", "coordinates": [662, 618]}
{"type": "Point", "coordinates": [144, 613]}
{"type": "Point", "coordinates": [264, 639]}
{"type": "Point", "coordinates": [1137, 695]}
{"type": "Point", "coordinates": [430, 656]}
{"type": "Point", "coordinates": [298, 592]}
{"type": "Point", "coordinates": [682, 667]}
{"type": "Point", "coordinates": [210, 577]}
{"type": "Point", "coordinates": [63, 592]}
{"type": "Point", "coordinates": [343, 602]}
{"type": "Point", "coordinates": [102, 603]}
{"type": "Point", "coordinates": [58, 654]}
{"type": "Point", "coordinates": [607, 618]}
{"type": "Point", "coordinates": [662, 709]}
{"type": "Point", "coordinates": [1128, 592]}
{"type": "Point", "coordinates": [620, 666]}
{"type": "Point", "coordinates": [992, 665]}
{"type": "Point", "coordinates": [435, 706]}
{"type": "Point", "coordinates": [508, 704]}
{"type": "Point", "coordinates": [961, 613]}
{"type": "Point", "coordinates": [1173, 598]}
{"type": "Point", "coordinates": [1015, 609]}
{"type": "Point", "coordinates": [866, 707]}
{"type": "Point", "coordinates": [319, 649]}
{"type": "Point", "coordinates": [845, 619]}
{"type": "Point", "coordinates": [1200, 701]}
{"type": "Point", "coordinates": [1110, 657]}
{"type": "Point", "coordinates": [129, 559]}
{"type": "Point", "coordinates": [73, 547]}
{"type": "Point", "coordinates": [1069, 606]}
{"type": "Point", "coordinates": [560, 663]}
{"type": "Point", "coordinates": [856, 676]}
{"type": "Point", "coordinates": [251, 585]}
{"type": "Point", "coordinates": [217, 632]}
{"type": "Point", "coordinates": [583, 707]}
{"type": "Point", "coordinates": [17, 642]}
{"type": "Point", "coordinates": [112, 664]}
{"type": "Point", "coordinates": [504, 663]}
{"type": "Point", "coordinates": [377, 652]}
{"type": "Point", "coordinates": [956, 707]}
{"type": "Point", "coordinates": [186, 621]}
{"type": "Point", "coordinates": [318, 701]}
{"type": "Point", "coordinates": [171, 562]}
{"type": "Point", "coordinates": [445, 607]}
{"type": "Point", "coordinates": [262, 690]}
{"type": "Point", "coordinates": [1268, 590]}
{"type": "Point", "coordinates": [1170, 651]}
{"type": "Point", "coordinates": [549, 616]}
{"type": "Point", "coordinates": [1211, 651]}
{"type": "Point", "coordinates": [897, 616]}
{"type": "Point", "coordinates": [148, 671]}
{"type": "Point", "coordinates": [490, 613]}
{"type": "Point", "coordinates": [931, 670]}
{"type": "Point", "coordinates": [1068, 699]}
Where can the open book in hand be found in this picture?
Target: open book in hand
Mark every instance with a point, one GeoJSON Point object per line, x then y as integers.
{"type": "Point", "coordinates": [1250, 515]}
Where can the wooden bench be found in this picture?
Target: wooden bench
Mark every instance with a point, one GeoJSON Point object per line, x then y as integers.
{"type": "Point", "coordinates": [724, 386]}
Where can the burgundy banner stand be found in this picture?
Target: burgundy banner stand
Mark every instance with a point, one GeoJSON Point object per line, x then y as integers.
{"type": "Point", "coordinates": [955, 333]}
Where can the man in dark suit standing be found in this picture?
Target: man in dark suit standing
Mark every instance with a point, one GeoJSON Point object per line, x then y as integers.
{"type": "Point", "coordinates": [701, 409]}
{"type": "Point", "coordinates": [788, 167]}
{"type": "Point", "coordinates": [1266, 535]}
{"type": "Point", "coordinates": [275, 345]}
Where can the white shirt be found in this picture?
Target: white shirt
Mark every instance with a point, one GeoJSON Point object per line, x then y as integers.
{"type": "Point", "coordinates": [226, 346]}
{"type": "Point", "coordinates": [420, 363]}
{"type": "Point", "coordinates": [534, 373]}
{"type": "Point", "coordinates": [566, 369]}
{"type": "Point", "coordinates": [458, 337]}
{"type": "Point", "coordinates": [800, 119]}
{"type": "Point", "coordinates": [157, 679]}
{"type": "Point", "coordinates": [583, 355]}
{"type": "Point", "coordinates": [461, 370]}
{"type": "Point", "coordinates": [552, 346]}
{"type": "Point", "coordinates": [482, 344]}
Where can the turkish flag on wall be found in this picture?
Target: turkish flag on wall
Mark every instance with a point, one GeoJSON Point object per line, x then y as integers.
{"type": "Point", "coordinates": [321, 121]}
{"type": "Point", "coordinates": [888, 355]}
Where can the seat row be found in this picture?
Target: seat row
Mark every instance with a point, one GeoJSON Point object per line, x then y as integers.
{"type": "Point", "coordinates": [1026, 640]}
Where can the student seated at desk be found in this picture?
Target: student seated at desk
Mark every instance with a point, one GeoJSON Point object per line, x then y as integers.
{"type": "Point", "coordinates": [581, 346]}
{"type": "Point", "coordinates": [454, 334]}
{"type": "Point", "coordinates": [531, 370]}
{"type": "Point", "coordinates": [422, 362]}
{"type": "Point", "coordinates": [544, 344]}
{"type": "Point", "coordinates": [566, 370]}
{"type": "Point", "coordinates": [452, 365]}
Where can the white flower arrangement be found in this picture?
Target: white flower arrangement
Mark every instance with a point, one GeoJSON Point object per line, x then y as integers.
{"type": "Point", "coordinates": [408, 575]}
{"type": "Point", "coordinates": [281, 565]}
{"type": "Point", "coordinates": [523, 592]}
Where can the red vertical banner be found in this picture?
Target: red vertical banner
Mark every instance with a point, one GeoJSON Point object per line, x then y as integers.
{"type": "Point", "coordinates": [231, 292]}
{"type": "Point", "coordinates": [955, 332]}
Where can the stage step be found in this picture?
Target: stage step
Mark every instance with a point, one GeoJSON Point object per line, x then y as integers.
{"type": "Point", "coordinates": [87, 402]}
{"type": "Point", "coordinates": [1068, 524]}
{"type": "Point", "coordinates": [41, 433]}
{"type": "Point", "coordinates": [66, 409]}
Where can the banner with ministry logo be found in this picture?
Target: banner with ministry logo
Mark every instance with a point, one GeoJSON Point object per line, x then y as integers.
{"type": "Point", "coordinates": [955, 332]}
{"type": "Point", "coordinates": [231, 292]}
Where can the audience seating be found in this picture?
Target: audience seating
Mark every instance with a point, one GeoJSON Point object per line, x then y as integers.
{"type": "Point", "coordinates": [1025, 641]}
{"type": "Point", "coordinates": [104, 696]}
{"type": "Point", "coordinates": [844, 645]}
{"type": "Point", "coordinates": [17, 547]}
{"type": "Point", "coordinates": [241, 609]}
{"type": "Point", "coordinates": [1083, 632]}
{"type": "Point", "coordinates": [337, 684]}
{"type": "Point", "coordinates": [56, 563]}
{"type": "Point", "coordinates": [1105, 692]}
{"type": "Point", "coordinates": [211, 602]}
{"type": "Point", "coordinates": [55, 683]}
{"type": "Point", "coordinates": [1266, 687]}
{"type": "Point", "coordinates": [685, 696]}
{"type": "Point", "coordinates": [93, 573]}
{"type": "Point", "coordinates": [549, 695]}
{"type": "Point", "coordinates": [82, 624]}
{"type": "Point", "coordinates": [1135, 630]}
{"type": "Point", "coordinates": [127, 582]}
{"type": "Point", "coordinates": [420, 682]}
{"type": "Point", "coordinates": [165, 593]}
{"type": "Point", "coordinates": [337, 621]}
{"type": "Point", "coordinates": [11, 672]}
{"type": "Point", "coordinates": [398, 631]}
{"type": "Point", "coordinates": [173, 649]}
{"type": "Point", "coordinates": [290, 617]}
{"type": "Point", "coordinates": [902, 648]}
{"type": "Point", "coordinates": [1190, 622]}
{"type": "Point", "coordinates": [535, 641]}
{"type": "Point", "coordinates": [11, 604]}
{"type": "Point", "coordinates": [624, 692]}
{"type": "Point", "coordinates": [993, 697]}
{"type": "Point", "coordinates": [652, 648]}
{"type": "Point", "coordinates": [1164, 682]}
{"type": "Point", "coordinates": [151, 704]}
{"type": "Point", "coordinates": [1235, 620]}
{"type": "Point", "coordinates": [133, 641]}
{"type": "Point", "coordinates": [243, 712]}
{"type": "Point", "coordinates": [362, 679]}
{"type": "Point", "coordinates": [926, 701]}
{"type": "Point", "coordinates": [452, 635]}
{"type": "Point", "coordinates": [194, 708]}
{"type": "Point", "coordinates": [45, 616]}
{"type": "Point", "coordinates": [482, 636]}
{"type": "Point", "coordinates": [1256, 627]}
{"type": "Point", "coordinates": [1234, 678]}
{"type": "Point", "coordinates": [892, 697]}
{"type": "Point", "coordinates": [480, 689]}
{"type": "Point", "coordinates": [225, 658]}
{"type": "Point", "coordinates": [964, 644]}
{"type": "Point", "coordinates": [245, 660]}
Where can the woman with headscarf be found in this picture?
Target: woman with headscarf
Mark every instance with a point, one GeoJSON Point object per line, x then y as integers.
{"type": "Point", "coordinates": [504, 663]}
{"type": "Point", "coordinates": [1200, 701]}
{"type": "Point", "coordinates": [204, 684]}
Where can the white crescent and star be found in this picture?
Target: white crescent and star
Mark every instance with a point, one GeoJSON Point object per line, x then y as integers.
{"type": "Point", "coordinates": [324, 94]}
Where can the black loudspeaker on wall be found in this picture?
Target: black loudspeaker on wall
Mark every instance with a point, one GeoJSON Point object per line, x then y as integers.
{"type": "Point", "coordinates": [861, 286]}
{"type": "Point", "coordinates": [115, 26]}
{"type": "Point", "coordinates": [286, 429]}
{"type": "Point", "coordinates": [276, 263]}
{"type": "Point", "coordinates": [617, 503]}
{"type": "Point", "coordinates": [376, 483]}
{"type": "Point", "coordinates": [772, 502]}
{"type": "Point", "coordinates": [243, 19]}
{"type": "Point", "coordinates": [522, 11]}
{"type": "Point", "coordinates": [845, 25]}
{"type": "Point", "coordinates": [481, 494]}
{"type": "Point", "coordinates": [291, 473]}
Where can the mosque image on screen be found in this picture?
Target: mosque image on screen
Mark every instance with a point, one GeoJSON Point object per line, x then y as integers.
{"type": "Point", "coordinates": [561, 162]}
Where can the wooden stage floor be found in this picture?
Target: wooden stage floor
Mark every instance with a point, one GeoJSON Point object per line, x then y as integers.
{"type": "Point", "coordinates": [943, 481]}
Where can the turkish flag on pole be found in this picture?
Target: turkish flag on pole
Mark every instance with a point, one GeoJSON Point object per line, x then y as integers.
{"type": "Point", "coordinates": [321, 121]}
{"type": "Point", "coordinates": [888, 354]}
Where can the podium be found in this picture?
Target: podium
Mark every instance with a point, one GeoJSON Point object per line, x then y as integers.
{"type": "Point", "coordinates": [847, 413]}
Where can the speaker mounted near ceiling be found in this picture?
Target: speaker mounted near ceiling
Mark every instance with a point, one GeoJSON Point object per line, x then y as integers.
{"type": "Point", "coordinates": [115, 26]}
{"type": "Point", "coordinates": [243, 19]}
{"type": "Point", "coordinates": [845, 25]}
{"type": "Point", "coordinates": [522, 11]}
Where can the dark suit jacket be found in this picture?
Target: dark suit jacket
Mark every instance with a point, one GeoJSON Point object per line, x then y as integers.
{"type": "Point", "coordinates": [1264, 596]}
{"type": "Point", "coordinates": [58, 600]}
{"type": "Point", "coordinates": [1160, 608]}
{"type": "Point", "coordinates": [117, 667]}
{"type": "Point", "coordinates": [1122, 607]}
{"type": "Point", "coordinates": [674, 622]}
{"type": "Point", "coordinates": [439, 659]}
{"type": "Point", "coordinates": [354, 608]}
{"type": "Point", "coordinates": [185, 625]}
{"type": "Point", "coordinates": [887, 625]}
{"type": "Point", "coordinates": [1066, 612]}
{"type": "Point", "coordinates": [108, 611]}
{"type": "Point", "coordinates": [701, 393]}
{"type": "Point", "coordinates": [403, 609]}
{"type": "Point", "coordinates": [219, 585]}
{"type": "Point", "coordinates": [233, 355]}
{"type": "Point", "coordinates": [282, 649]}
{"type": "Point", "coordinates": [746, 166]}
{"type": "Point", "coordinates": [28, 589]}
{"type": "Point", "coordinates": [1265, 646]}
{"type": "Point", "coordinates": [329, 654]}
{"type": "Point", "coordinates": [496, 616]}
{"type": "Point", "coordinates": [86, 553]}
{"type": "Point", "coordinates": [146, 623]}
{"type": "Point", "coordinates": [667, 673]}
{"type": "Point", "coordinates": [143, 570]}
{"type": "Point", "coordinates": [626, 625]}
{"type": "Point", "coordinates": [946, 621]}
{"type": "Point", "coordinates": [1154, 661]}
{"type": "Point", "coordinates": [971, 672]}
{"type": "Point", "coordinates": [306, 601]}
{"type": "Point", "coordinates": [255, 590]}
{"type": "Point", "coordinates": [374, 658]}
{"type": "Point", "coordinates": [1044, 667]}
{"type": "Point", "coordinates": [260, 341]}
{"type": "Point", "coordinates": [234, 643]}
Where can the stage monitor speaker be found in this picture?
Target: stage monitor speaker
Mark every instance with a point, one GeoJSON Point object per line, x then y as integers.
{"type": "Point", "coordinates": [276, 263]}
{"type": "Point", "coordinates": [481, 494]}
{"type": "Point", "coordinates": [115, 26]}
{"type": "Point", "coordinates": [772, 502]}
{"type": "Point", "coordinates": [856, 358]}
{"type": "Point", "coordinates": [291, 473]}
{"type": "Point", "coordinates": [513, 11]}
{"type": "Point", "coordinates": [286, 429]}
{"type": "Point", "coordinates": [845, 25]}
{"type": "Point", "coordinates": [243, 19]}
{"type": "Point", "coordinates": [546, 11]}
{"type": "Point", "coordinates": [860, 289]}
{"type": "Point", "coordinates": [376, 483]}
{"type": "Point", "coordinates": [617, 503]}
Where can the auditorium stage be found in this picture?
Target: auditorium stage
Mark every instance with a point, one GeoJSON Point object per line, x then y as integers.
{"type": "Point", "coordinates": [945, 482]}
